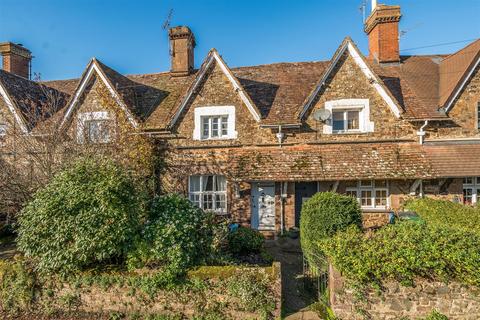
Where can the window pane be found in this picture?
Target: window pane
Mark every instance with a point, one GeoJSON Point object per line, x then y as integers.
{"type": "Point", "coordinates": [205, 127]}
{"type": "Point", "coordinates": [194, 183]}
{"type": "Point", "coordinates": [224, 126]}
{"type": "Point", "coordinates": [338, 121]}
{"type": "Point", "coordinates": [97, 131]}
{"type": "Point", "coordinates": [468, 180]}
{"type": "Point", "coordinates": [215, 121]}
{"type": "Point", "coordinates": [380, 183]}
{"type": "Point", "coordinates": [195, 199]}
{"type": "Point", "coordinates": [351, 183]}
{"type": "Point", "coordinates": [366, 198]}
{"type": "Point", "coordinates": [353, 120]}
{"type": "Point", "coordinates": [207, 202]}
{"type": "Point", "coordinates": [207, 183]}
{"type": "Point", "coordinates": [467, 195]}
{"type": "Point", "coordinates": [220, 203]}
{"type": "Point", "coordinates": [3, 130]}
{"type": "Point", "coordinates": [351, 193]}
{"type": "Point", "coordinates": [365, 183]}
{"type": "Point", "coordinates": [221, 184]}
{"type": "Point", "coordinates": [380, 198]}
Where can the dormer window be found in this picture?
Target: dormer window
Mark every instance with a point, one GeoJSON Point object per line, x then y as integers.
{"type": "Point", "coordinates": [94, 127]}
{"type": "Point", "coordinates": [348, 116]}
{"type": "Point", "coordinates": [3, 133]}
{"type": "Point", "coordinates": [214, 123]}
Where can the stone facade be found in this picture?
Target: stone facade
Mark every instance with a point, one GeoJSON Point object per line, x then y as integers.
{"type": "Point", "coordinates": [454, 300]}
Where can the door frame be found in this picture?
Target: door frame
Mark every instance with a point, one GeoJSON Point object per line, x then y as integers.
{"type": "Point", "coordinates": [255, 222]}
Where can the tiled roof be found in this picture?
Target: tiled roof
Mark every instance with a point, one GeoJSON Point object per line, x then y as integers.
{"type": "Point", "coordinates": [454, 159]}
{"type": "Point", "coordinates": [35, 102]}
{"type": "Point", "coordinates": [420, 84]}
{"type": "Point", "coordinates": [314, 162]}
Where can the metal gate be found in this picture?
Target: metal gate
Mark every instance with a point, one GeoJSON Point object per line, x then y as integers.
{"type": "Point", "coordinates": [316, 278]}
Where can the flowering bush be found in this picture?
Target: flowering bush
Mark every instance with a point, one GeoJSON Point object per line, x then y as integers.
{"type": "Point", "coordinates": [176, 236]}
{"type": "Point", "coordinates": [87, 214]}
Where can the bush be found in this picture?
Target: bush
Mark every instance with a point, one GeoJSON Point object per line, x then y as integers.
{"type": "Point", "coordinates": [447, 214]}
{"type": "Point", "coordinates": [323, 215]}
{"type": "Point", "coordinates": [176, 236]}
{"type": "Point", "coordinates": [245, 240]}
{"type": "Point", "coordinates": [87, 214]}
{"type": "Point", "coordinates": [404, 251]}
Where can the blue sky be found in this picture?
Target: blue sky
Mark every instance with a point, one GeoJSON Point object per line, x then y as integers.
{"type": "Point", "coordinates": [128, 36]}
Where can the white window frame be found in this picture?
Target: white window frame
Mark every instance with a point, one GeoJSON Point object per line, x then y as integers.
{"type": "Point", "coordinates": [214, 111]}
{"type": "Point", "coordinates": [83, 118]}
{"type": "Point", "coordinates": [373, 189]}
{"type": "Point", "coordinates": [474, 186]}
{"type": "Point", "coordinates": [209, 120]}
{"type": "Point", "coordinates": [214, 194]}
{"type": "Point", "coordinates": [363, 107]}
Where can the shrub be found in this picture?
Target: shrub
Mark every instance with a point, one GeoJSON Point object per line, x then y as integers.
{"type": "Point", "coordinates": [404, 251]}
{"type": "Point", "coordinates": [87, 214]}
{"type": "Point", "coordinates": [323, 215]}
{"type": "Point", "coordinates": [447, 213]}
{"type": "Point", "coordinates": [176, 236]}
{"type": "Point", "coordinates": [245, 240]}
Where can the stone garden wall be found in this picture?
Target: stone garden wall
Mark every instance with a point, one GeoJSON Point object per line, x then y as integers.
{"type": "Point", "coordinates": [454, 300]}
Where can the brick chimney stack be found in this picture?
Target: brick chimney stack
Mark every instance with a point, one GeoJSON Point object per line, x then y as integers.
{"type": "Point", "coordinates": [16, 59]}
{"type": "Point", "coordinates": [182, 43]}
{"type": "Point", "coordinates": [382, 30]}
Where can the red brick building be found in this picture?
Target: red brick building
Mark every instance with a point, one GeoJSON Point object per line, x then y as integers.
{"type": "Point", "coordinates": [255, 142]}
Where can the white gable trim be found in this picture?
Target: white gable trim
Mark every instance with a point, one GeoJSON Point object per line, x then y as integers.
{"type": "Point", "coordinates": [243, 96]}
{"type": "Point", "coordinates": [366, 71]}
{"type": "Point", "coordinates": [94, 68]}
{"type": "Point", "coordinates": [12, 108]}
{"type": "Point", "coordinates": [457, 92]}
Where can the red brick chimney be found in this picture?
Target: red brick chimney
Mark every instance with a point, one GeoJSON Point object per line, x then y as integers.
{"type": "Point", "coordinates": [382, 30]}
{"type": "Point", "coordinates": [182, 43]}
{"type": "Point", "coordinates": [16, 59]}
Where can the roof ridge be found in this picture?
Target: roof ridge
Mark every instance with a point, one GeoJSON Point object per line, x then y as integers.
{"type": "Point", "coordinates": [458, 51]}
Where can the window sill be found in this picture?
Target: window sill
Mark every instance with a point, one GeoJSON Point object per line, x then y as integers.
{"type": "Point", "coordinates": [216, 139]}
{"type": "Point", "coordinates": [337, 133]}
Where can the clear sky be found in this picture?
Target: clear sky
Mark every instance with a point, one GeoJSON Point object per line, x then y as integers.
{"type": "Point", "coordinates": [128, 36]}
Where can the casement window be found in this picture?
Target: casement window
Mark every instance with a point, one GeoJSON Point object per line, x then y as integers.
{"type": "Point", "coordinates": [214, 127]}
{"type": "Point", "coordinates": [209, 192]}
{"type": "Point", "coordinates": [348, 116]}
{"type": "Point", "coordinates": [94, 127]}
{"type": "Point", "coordinates": [371, 194]}
{"type": "Point", "coordinates": [346, 120]}
{"type": "Point", "coordinates": [214, 123]}
{"type": "Point", "coordinates": [471, 190]}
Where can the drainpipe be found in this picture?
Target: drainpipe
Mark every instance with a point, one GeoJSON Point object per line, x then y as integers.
{"type": "Point", "coordinates": [283, 196]}
{"type": "Point", "coordinates": [421, 132]}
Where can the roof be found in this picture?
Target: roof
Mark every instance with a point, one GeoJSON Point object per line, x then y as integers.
{"type": "Point", "coordinates": [445, 158]}
{"type": "Point", "coordinates": [420, 85]}
{"type": "Point", "coordinates": [326, 162]}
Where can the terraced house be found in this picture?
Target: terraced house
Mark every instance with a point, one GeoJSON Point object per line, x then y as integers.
{"type": "Point", "coordinates": [255, 142]}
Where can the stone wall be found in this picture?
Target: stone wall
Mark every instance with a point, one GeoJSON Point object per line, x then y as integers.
{"type": "Point", "coordinates": [128, 297]}
{"type": "Point", "coordinates": [454, 300]}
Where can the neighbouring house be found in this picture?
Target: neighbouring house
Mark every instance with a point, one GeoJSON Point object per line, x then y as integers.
{"type": "Point", "coordinates": [255, 142]}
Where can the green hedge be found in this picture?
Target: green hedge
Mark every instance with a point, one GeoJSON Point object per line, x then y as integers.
{"type": "Point", "coordinates": [322, 216]}
{"type": "Point", "coordinates": [447, 213]}
{"type": "Point", "coordinates": [404, 251]}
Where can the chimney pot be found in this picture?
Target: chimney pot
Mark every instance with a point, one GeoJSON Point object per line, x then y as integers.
{"type": "Point", "coordinates": [182, 44]}
{"type": "Point", "coordinates": [382, 30]}
{"type": "Point", "coordinates": [16, 59]}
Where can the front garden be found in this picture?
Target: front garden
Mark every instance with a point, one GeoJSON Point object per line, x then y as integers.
{"type": "Point", "coordinates": [94, 241]}
{"type": "Point", "coordinates": [437, 256]}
